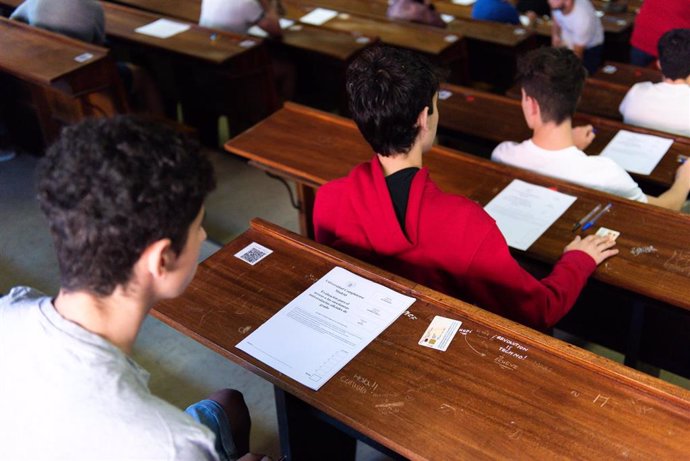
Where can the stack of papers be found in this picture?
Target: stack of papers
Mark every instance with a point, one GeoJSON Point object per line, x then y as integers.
{"type": "Point", "coordinates": [322, 329]}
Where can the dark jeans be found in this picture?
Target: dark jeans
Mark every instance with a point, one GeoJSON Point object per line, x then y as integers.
{"type": "Point", "coordinates": [640, 58]}
{"type": "Point", "coordinates": [592, 58]}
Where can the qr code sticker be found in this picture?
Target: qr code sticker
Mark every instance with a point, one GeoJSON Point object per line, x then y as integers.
{"type": "Point", "coordinates": [253, 253]}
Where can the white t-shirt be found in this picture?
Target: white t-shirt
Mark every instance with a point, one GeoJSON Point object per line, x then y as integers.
{"type": "Point", "coordinates": [659, 106]}
{"type": "Point", "coordinates": [581, 26]}
{"type": "Point", "coordinates": [66, 393]}
{"type": "Point", "coordinates": [570, 164]}
{"type": "Point", "coordinates": [231, 15]}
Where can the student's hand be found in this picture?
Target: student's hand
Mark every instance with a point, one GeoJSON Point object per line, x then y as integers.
{"type": "Point", "coordinates": [599, 248]}
{"type": "Point", "coordinates": [583, 136]}
{"type": "Point", "coordinates": [556, 41]}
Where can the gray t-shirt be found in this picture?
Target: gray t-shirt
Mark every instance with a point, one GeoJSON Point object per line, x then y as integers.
{"type": "Point", "coordinates": [80, 19]}
{"type": "Point", "coordinates": [66, 393]}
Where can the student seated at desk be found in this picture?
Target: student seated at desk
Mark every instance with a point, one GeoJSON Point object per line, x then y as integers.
{"type": "Point", "coordinates": [495, 10]}
{"type": "Point", "coordinates": [422, 11]}
{"type": "Point", "coordinates": [664, 106]}
{"type": "Point", "coordinates": [124, 201]}
{"type": "Point", "coordinates": [551, 81]}
{"type": "Point", "coordinates": [389, 212]}
{"type": "Point", "coordinates": [576, 26]}
{"type": "Point", "coordinates": [239, 16]}
{"type": "Point", "coordinates": [85, 20]}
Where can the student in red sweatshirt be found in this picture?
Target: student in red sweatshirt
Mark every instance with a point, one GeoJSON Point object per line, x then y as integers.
{"type": "Point", "coordinates": [389, 212]}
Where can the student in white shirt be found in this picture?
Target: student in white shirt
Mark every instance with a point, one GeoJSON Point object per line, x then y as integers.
{"type": "Point", "coordinates": [240, 15]}
{"type": "Point", "coordinates": [576, 26]}
{"type": "Point", "coordinates": [664, 106]}
{"type": "Point", "coordinates": [552, 80]}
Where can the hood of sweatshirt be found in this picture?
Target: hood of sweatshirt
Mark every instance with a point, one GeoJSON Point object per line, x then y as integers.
{"type": "Point", "coordinates": [372, 206]}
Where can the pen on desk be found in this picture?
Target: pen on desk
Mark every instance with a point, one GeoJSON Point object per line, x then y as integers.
{"type": "Point", "coordinates": [586, 217]}
{"type": "Point", "coordinates": [682, 158]}
{"type": "Point", "coordinates": [596, 217]}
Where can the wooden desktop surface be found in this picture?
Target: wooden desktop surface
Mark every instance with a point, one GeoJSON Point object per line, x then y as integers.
{"type": "Point", "coordinates": [425, 39]}
{"type": "Point", "coordinates": [198, 42]}
{"type": "Point", "coordinates": [496, 33]}
{"type": "Point", "coordinates": [499, 118]}
{"type": "Point", "coordinates": [501, 390]}
{"type": "Point", "coordinates": [337, 44]}
{"type": "Point", "coordinates": [313, 147]}
{"type": "Point", "coordinates": [49, 59]}
{"type": "Point", "coordinates": [626, 75]}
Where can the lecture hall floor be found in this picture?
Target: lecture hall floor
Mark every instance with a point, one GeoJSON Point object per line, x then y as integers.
{"type": "Point", "coordinates": [182, 371]}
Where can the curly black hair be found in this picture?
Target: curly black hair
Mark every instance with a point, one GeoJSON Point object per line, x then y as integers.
{"type": "Point", "coordinates": [110, 187]}
{"type": "Point", "coordinates": [674, 54]}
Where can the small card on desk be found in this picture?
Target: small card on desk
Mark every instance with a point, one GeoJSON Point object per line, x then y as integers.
{"type": "Point", "coordinates": [440, 333]}
{"type": "Point", "coordinates": [605, 232]}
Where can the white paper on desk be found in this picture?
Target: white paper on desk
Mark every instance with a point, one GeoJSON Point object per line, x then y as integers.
{"type": "Point", "coordinates": [318, 16]}
{"type": "Point", "coordinates": [325, 327]}
{"type": "Point", "coordinates": [259, 32]}
{"type": "Point", "coordinates": [637, 153]}
{"type": "Point", "coordinates": [464, 2]}
{"type": "Point", "coordinates": [162, 28]}
{"type": "Point", "coordinates": [524, 211]}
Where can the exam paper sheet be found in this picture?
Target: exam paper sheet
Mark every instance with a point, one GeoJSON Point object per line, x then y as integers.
{"type": "Point", "coordinates": [325, 327]}
{"type": "Point", "coordinates": [636, 152]}
{"type": "Point", "coordinates": [163, 28]}
{"type": "Point", "coordinates": [524, 211]}
{"type": "Point", "coordinates": [318, 16]}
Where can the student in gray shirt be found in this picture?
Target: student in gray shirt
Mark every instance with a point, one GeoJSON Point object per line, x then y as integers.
{"type": "Point", "coordinates": [124, 201]}
{"type": "Point", "coordinates": [80, 19]}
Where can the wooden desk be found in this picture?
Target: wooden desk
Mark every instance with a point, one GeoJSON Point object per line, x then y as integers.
{"type": "Point", "coordinates": [197, 42]}
{"type": "Point", "coordinates": [68, 80]}
{"type": "Point", "coordinates": [549, 400]}
{"type": "Point", "coordinates": [436, 43]}
{"type": "Point", "coordinates": [313, 147]}
{"type": "Point", "coordinates": [626, 75]}
{"type": "Point", "coordinates": [335, 44]}
{"type": "Point", "coordinates": [498, 118]}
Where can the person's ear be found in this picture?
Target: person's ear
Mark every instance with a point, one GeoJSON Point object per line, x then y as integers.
{"type": "Point", "coordinates": [159, 258]}
{"type": "Point", "coordinates": [423, 120]}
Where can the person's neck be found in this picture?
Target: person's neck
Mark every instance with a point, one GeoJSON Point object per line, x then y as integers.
{"type": "Point", "coordinates": [678, 81]}
{"type": "Point", "coordinates": [396, 162]}
{"type": "Point", "coordinates": [550, 136]}
{"type": "Point", "coordinates": [116, 317]}
{"type": "Point", "coordinates": [567, 10]}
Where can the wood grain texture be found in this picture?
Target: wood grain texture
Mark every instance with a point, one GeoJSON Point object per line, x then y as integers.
{"type": "Point", "coordinates": [48, 59]}
{"type": "Point", "coordinates": [314, 147]}
{"type": "Point", "coordinates": [500, 391]}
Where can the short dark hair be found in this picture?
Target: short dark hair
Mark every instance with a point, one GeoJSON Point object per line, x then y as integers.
{"type": "Point", "coordinates": [111, 187]}
{"type": "Point", "coordinates": [387, 89]}
{"type": "Point", "coordinates": [674, 54]}
{"type": "Point", "coordinates": [554, 77]}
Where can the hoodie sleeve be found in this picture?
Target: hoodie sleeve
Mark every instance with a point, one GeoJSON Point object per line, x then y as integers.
{"type": "Point", "coordinates": [499, 284]}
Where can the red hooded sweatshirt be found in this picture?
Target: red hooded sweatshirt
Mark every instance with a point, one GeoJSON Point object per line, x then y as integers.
{"type": "Point", "coordinates": [452, 245]}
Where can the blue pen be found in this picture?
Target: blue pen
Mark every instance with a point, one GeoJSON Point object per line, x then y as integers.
{"type": "Point", "coordinates": [682, 158]}
{"type": "Point", "coordinates": [596, 217]}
